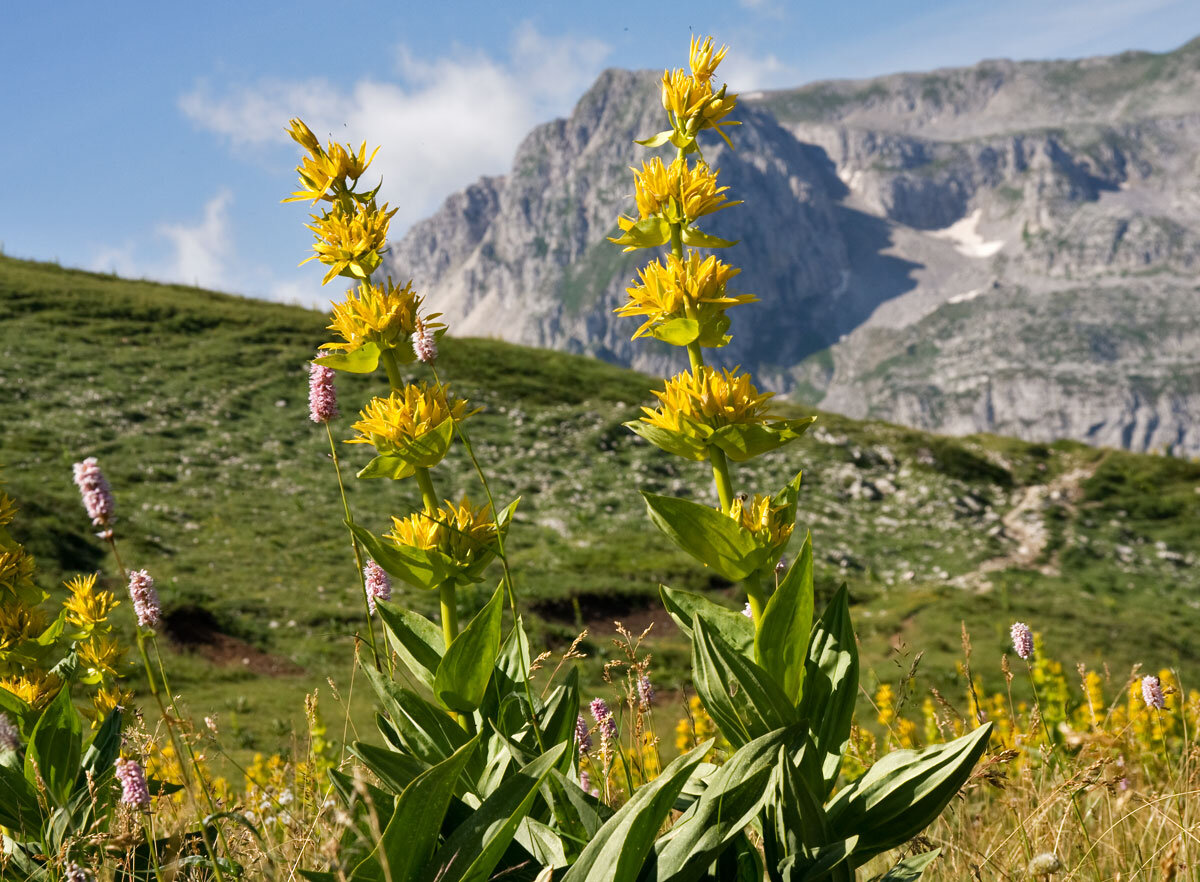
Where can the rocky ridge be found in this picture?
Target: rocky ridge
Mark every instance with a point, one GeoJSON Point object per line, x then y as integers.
{"type": "Point", "coordinates": [1010, 247]}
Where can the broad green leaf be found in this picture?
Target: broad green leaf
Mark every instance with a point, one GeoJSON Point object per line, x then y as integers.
{"type": "Point", "coordinates": [831, 685]}
{"type": "Point", "coordinates": [425, 730]}
{"type": "Point", "coordinates": [387, 465]}
{"type": "Point", "coordinates": [734, 797]}
{"type": "Point", "coordinates": [363, 360]}
{"type": "Point", "coordinates": [677, 443]}
{"type": "Point", "coordinates": [472, 851]}
{"type": "Point", "coordinates": [677, 332]}
{"type": "Point", "coordinates": [414, 638]}
{"type": "Point", "coordinates": [781, 644]}
{"type": "Point", "coordinates": [745, 441]}
{"type": "Point", "coordinates": [426, 451]}
{"type": "Point", "coordinates": [648, 233]}
{"type": "Point", "coordinates": [697, 239]}
{"type": "Point", "coordinates": [708, 535]}
{"type": "Point", "coordinates": [412, 834]}
{"type": "Point", "coordinates": [656, 140]}
{"type": "Point", "coordinates": [418, 568]}
{"type": "Point", "coordinates": [910, 869]}
{"type": "Point", "coordinates": [394, 770]}
{"type": "Point", "coordinates": [463, 674]}
{"type": "Point", "coordinates": [618, 850]}
{"type": "Point", "coordinates": [735, 628]}
{"type": "Point", "coordinates": [739, 695]}
{"type": "Point", "coordinates": [19, 807]}
{"type": "Point", "coordinates": [54, 748]}
{"type": "Point", "coordinates": [903, 793]}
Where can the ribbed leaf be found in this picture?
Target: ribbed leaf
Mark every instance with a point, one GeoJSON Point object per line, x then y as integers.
{"type": "Point", "coordinates": [903, 793]}
{"type": "Point", "coordinates": [677, 443]}
{"type": "Point", "coordinates": [781, 644]}
{"type": "Point", "coordinates": [831, 685]}
{"type": "Point", "coordinates": [472, 851]}
{"type": "Point", "coordinates": [741, 697]}
{"type": "Point", "coordinates": [424, 729]}
{"type": "Point", "coordinates": [463, 674]}
{"type": "Point", "coordinates": [734, 628]}
{"type": "Point", "coordinates": [362, 360]}
{"type": "Point", "coordinates": [421, 569]}
{"type": "Point", "coordinates": [910, 869]}
{"type": "Point", "coordinates": [54, 748]}
{"type": "Point", "coordinates": [414, 638]}
{"type": "Point", "coordinates": [708, 535]}
{"type": "Point", "coordinates": [618, 850]}
{"type": "Point", "coordinates": [734, 797]}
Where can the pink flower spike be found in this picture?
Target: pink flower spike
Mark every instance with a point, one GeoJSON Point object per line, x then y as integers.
{"type": "Point", "coordinates": [96, 493]}
{"type": "Point", "coordinates": [1152, 693]}
{"type": "Point", "coordinates": [10, 738]}
{"type": "Point", "coordinates": [1022, 640]}
{"type": "Point", "coordinates": [424, 344]}
{"type": "Point", "coordinates": [379, 586]}
{"type": "Point", "coordinates": [322, 396]}
{"type": "Point", "coordinates": [134, 791]}
{"type": "Point", "coordinates": [145, 599]}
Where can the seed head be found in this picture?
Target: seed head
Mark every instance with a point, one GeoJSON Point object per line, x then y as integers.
{"type": "Point", "coordinates": [322, 396]}
{"type": "Point", "coordinates": [145, 599]}
{"type": "Point", "coordinates": [96, 493]}
{"type": "Point", "coordinates": [1022, 639]}
{"type": "Point", "coordinates": [1044, 864]}
{"type": "Point", "coordinates": [1152, 693]}
{"type": "Point", "coordinates": [379, 586]}
{"type": "Point", "coordinates": [134, 791]}
{"type": "Point", "coordinates": [10, 738]}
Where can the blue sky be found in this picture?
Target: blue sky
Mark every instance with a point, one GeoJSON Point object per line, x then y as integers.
{"type": "Point", "coordinates": [147, 138]}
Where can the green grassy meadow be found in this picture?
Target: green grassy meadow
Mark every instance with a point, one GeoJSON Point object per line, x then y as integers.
{"type": "Point", "coordinates": [195, 404]}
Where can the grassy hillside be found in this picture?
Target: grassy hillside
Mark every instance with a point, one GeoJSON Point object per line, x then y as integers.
{"type": "Point", "coordinates": [195, 404]}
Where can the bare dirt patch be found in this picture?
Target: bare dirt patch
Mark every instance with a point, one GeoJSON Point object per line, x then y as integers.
{"type": "Point", "coordinates": [195, 629]}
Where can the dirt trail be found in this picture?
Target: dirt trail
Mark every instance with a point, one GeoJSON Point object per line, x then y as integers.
{"type": "Point", "coordinates": [1024, 524]}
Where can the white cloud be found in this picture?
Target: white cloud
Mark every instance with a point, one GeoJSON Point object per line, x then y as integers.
{"type": "Point", "coordinates": [197, 253]}
{"type": "Point", "coordinates": [440, 122]}
{"type": "Point", "coordinates": [746, 72]}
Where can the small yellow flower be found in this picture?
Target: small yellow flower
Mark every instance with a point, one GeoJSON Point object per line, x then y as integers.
{"type": "Point", "coordinates": [406, 415]}
{"type": "Point", "coordinates": [680, 193]}
{"type": "Point", "coordinates": [703, 60]}
{"type": "Point", "coordinates": [19, 623]}
{"type": "Point", "coordinates": [102, 654]}
{"type": "Point", "coordinates": [345, 241]}
{"type": "Point", "coordinates": [667, 291]}
{"type": "Point", "coordinates": [769, 524]}
{"type": "Point", "coordinates": [35, 687]}
{"type": "Point", "coordinates": [86, 606]}
{"type": "Point", "coordinates": [690, 99]}
{"type": "Point", "coordinates": [334, 167]}
{"type": "Point", "coordinates": [386, 315]}
{"type": "Point", "coordinates": [8, 509]}
{"type": "Point", "coordinates": [108, 698]}
{"type": "Point", "coordinates": [16, 569]}
{"type": "Point", "coordinates": [464, 534]}
{"type": "Point", "coordinates": [709, 397]}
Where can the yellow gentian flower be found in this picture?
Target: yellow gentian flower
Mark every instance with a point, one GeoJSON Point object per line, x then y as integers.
{"type": "Point", "coordinates": [386, 315]}
{"type": "Point", "coordinates": [668, 290]}
{"type": "Point", "coordinates": [322, 170]}
{"type": "Point", "coordinates": [350, 241]}
{"type": "Point", "coordinates": [679, 193]}
{"type": "Point", "coordinates": [390, 423]}
{"type": "Point", "coordinates": [709, 397]}
{"type": "Point", "coordinates": [767, 522]}
{"type": "Point", "coordinates": [87, 607]}
{"type": "Point", "coordinates": [464, 534]}
{"type": "Point", "coordinates": [35, 687]}
{"type": "Point", "coordinates": [8, 509]}
{"type": "Point", "coordinates": [19, 623]}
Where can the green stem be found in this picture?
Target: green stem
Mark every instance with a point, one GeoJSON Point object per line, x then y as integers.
{"type": "Point", "coordinates": [388, 357]}
{"type": "Point", "coordinates": [720, 467]}
{"type": "Point", "coordinates": [758, 600]}
{"type": "Point", "coordinates": [428, 494]}
{"type": "Point", "coordinates": [362, 579]}
{"type": "Point", "coordinates": [449, 609]}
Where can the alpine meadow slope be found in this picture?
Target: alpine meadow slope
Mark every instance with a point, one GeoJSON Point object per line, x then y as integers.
{"type": "Point", "coordinates": [1010, 247]}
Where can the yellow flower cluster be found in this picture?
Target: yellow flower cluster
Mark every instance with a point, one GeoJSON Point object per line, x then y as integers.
{"type": "Point", "coordinates": [350, 239]}
{"type": "Point", "coordinates": [464, 534]}
{"type": "Point", "coordinates": [326, 169]}
{"type": "Point", "coordinates": [769, 524]}
{"type": "Point", "coordinates": [697, 727]}
{"type": "Point", "coordinates": [679, 288]}
{"type": "Point", "coordinates": [87, 605]}
{"type": "Point", "coordinates": [406, 415]}
{"type": "Point", "coordinates": [680, 193]}
{"type": "Point", "coordinates": [386, 315]}
{"type": "Point", "coordinates": [689, 99]}
{"type": "Point", "coordinates": [708, 397]}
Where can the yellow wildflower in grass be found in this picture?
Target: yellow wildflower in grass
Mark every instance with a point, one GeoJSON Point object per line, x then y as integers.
{"type": "Point", "coordinates": [696, 727]}
{"type": "Point", "coordinates": [350, 241]}
{"type": "Point", "coordinates": [708, 397]}
{"type": "Point", "coordinates": [8, 509]}
{"type": "Point", "coordinates": [88, 607]}
{"type": "Point", "coordinates": [108, 698]}
{"type": "Point", "coordinates": [771, 527]}
{"type": "Point", "coordinates": [464, 534]}
{"type": "Point", "coordinates": [19, 623]}
{"type": "Point", "coordinates": [101, 655]}
{"type": "Point", "coordinates": [391, 423]}
{"type": "Point", "coordinates": [16, 569]}
{"type": "Point", "coordinates": [34, 686]}
{"type": "Point", "coordinates": [386, 315]}
{"type": "Point", "coordinates": [322, 170]}
{"type": "Point", "coordinates": [669, 290]}
{"type": "Point", "coordinates": [885, 708]}
{"type": "Point", "coordinates": [680, 193]}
